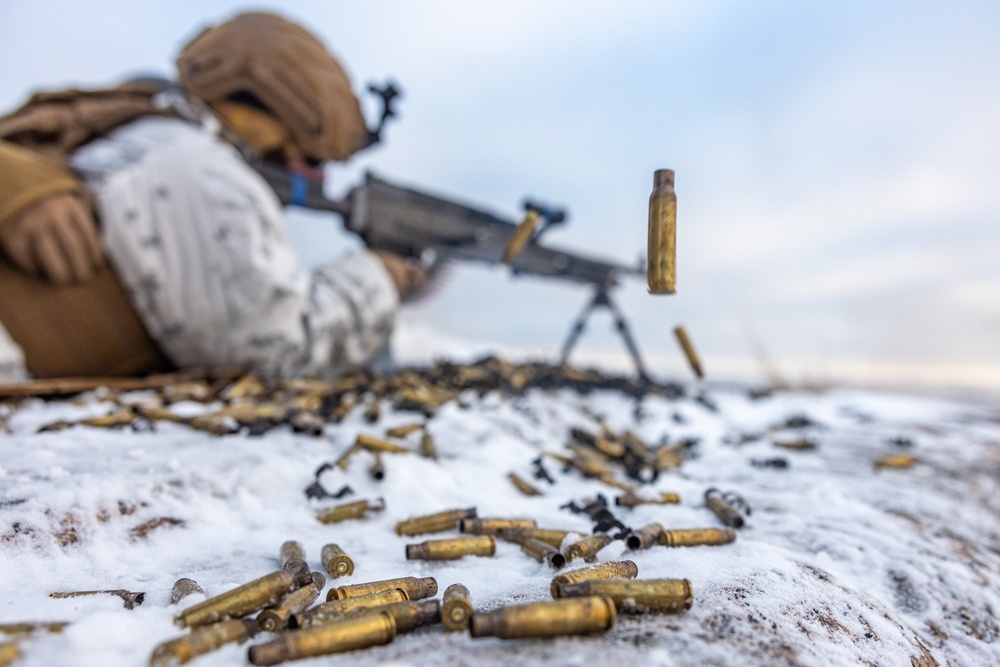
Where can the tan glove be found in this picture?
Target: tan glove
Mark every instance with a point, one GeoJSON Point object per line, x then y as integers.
{"type": "Point", "coordinates": [55, 239]}
{"type": "Point", "coordinates": [409, 278]}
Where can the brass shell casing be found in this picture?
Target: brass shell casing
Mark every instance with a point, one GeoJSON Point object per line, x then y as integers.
{"type": "Point", "coordinates": [336, 562]}
{"type": "Point", "coordinates": [278, 618]}
{"type": "Point", "coordinates": [493, 526]}
{"type": "Point", "coordinates": [427, 447]}
{"type": "Point", "coordinates": [9, 652]}
{"type": "Point", "coordinates": [645, 537]}
{"type": "Point", "coordinates": [377, 468]}
{"type": "Point", "coordinates": [348, 634]}
{"type": "Point", "coordinates": [456, 608]}
{"type": "Point", "coordinates": [453, 548]}
{"type": "Point", "coordinates": [291, 552]}
{"type": "Point", "coordinates": [689, 352]}
{"type": "Point", "coordinates": [373, 444]}
{"type": "Point", "coordinates": [355, 510]}
{"type": "Point", "coordinates": [434, 523]}
{"type": "Point", "coordinates": [334, 610]}
{"type": "Point", "coordinates": [661, 255]}
{"type": "Point", "coordinates": [521, 236]}
{"type": "Point", "coordinates": [614, 569]}
{"type": "Point", "coordinates": [199, 642]}
{"type": "Point", "coordinates": [550, 536]}
{"type": "Point", "coordinates": [416, 588]}
{"type": "Point", "coordinates": [588, 547]}
{"type": "Point", "coordinates": [693, 537]}
{"type": "Point", "coordinates": [572, 616]}
{"type": "Point", "coordinates": [523, 485]}
{"type": "Point", "coordinates": [727, 513]}
{"type": "Point", "coordinates": [543, 552]}
{"type": "Point", "coordinates": [248, 598]}
{"type": "Point", "coordinates": [409, 615]}
{"type": "Point", "coordinates": [636, 595]}
{"type": "Point", "coordinates": [403, 431]}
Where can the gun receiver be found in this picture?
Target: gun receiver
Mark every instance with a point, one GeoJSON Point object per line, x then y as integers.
{"type": "Point", "coordinates": [423, 226]}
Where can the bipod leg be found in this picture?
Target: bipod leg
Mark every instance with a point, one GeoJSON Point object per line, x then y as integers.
{"type": "Point", "coordinates": [622, 325]}
{"type": "Point", "coordinates": [578, 326]}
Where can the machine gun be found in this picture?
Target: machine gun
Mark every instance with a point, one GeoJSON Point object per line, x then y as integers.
{"type": "Point", "coordinates": [429, 228]}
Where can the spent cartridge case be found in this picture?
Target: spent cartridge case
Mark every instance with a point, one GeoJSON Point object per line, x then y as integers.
{"type": "Point", "coordinates": [896, 461]}
{"type": "Point", "coordinates": [9, 652]}
{"type": "Point", "coordinates": [336, 562]}
{"type": "Point", "coordinates": [355, 510]}
{"type": "Point", "coordinates": [409, 615]}
{"type": "Point", "coordinates": [456, 609]}
{"type": "Point", "coordinates": [693, 537]}
{"type": "Point", "coordinates": [13, 629]}
{"type": "Point", "coordinates": [416, 588]}
{"type": "Point", "coordinates": [493, 526]}
{"type": "Point", "coordinates": [523, 485]}
{"type": "Point", "coordinates": [453, 548]}
{"type": "Point", "coordinates": [645, 537]}
{"type": "Point", "coordinates": [661, 255]}
{"type": "Point", "coordinates": [334, 610]}
{"type": "Point", "coordinates": [246, 599]}
{"type": "Point", "coordinates": [587, 548]}
{"type": "Point", "coordinates": [427, 447]}
{"type": "Point", "coordinates": [632, 500]}
{"type": "Point", "coordinates": [291, 554]}
{"type": "Point", "coordinates": [549, 536]}
{"type": "Point", "coordinates": [615, 569]}
{"type": "Point", "coordinates": [373, 444]}
{"type": "Point", "coordinates": [571, 616]}
{"type": "Point", "coordinates": [522, 234]}
{"type": "Point", "coordinates": [434, 523]}
{"type": "Point", "coordinates": [377, 468]}
{"type": "Point", "coordinates": [184, 587]}
{"type": "Point", "coordinates": [689, 352]}
{"type": "Point", "coordinates": [403, 431]}
{"type": "Point", "coordinates": [727, 514]}
{"type": "Point", "coordinates": [372, 412]}
{"type": "Point", "coordinates": [636, 595]}
{"type": "Point", "coordinates": [543, 552]}
{"type": "Point", "coordinates": [278, 618]}
{"type": "Point", "coordinates": [347, 634]}
{"type": "Point", "coordinates": [200, 641]}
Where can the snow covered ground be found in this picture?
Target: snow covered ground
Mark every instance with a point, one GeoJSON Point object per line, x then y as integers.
{"type": "Point", "coordinates": [840, 562]}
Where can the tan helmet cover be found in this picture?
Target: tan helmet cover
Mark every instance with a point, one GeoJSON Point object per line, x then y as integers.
{"type": "Point", "coordinates": [288, 70]}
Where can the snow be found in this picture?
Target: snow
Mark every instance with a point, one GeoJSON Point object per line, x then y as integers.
{"type": "Point", "coordinates": [840, 562]}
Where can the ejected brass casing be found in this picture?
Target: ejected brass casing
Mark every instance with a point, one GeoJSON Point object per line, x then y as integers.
{"type": "Point", "coordinates": [689, 353]}
{"type": "Point", "coordinates": [434, 523]}
{"type": "Point", "coordinates": [543, 552]}
{"type": "Point", "coordinates": [354, 510]}
{"type": "Point", "coordinates": [336, 562]}
{"type": "Point", "coordinates": [645, 537]}
{"type": "Point", "coordinates": [727, 513]}
{"type": "Point", "coordinates": [453, 548]}
{"type": "Point", "coordinates": [493, 526]}
{"type": "Point", "coordinates": [574, 616]}
{"type": "Point", "coordinates": [636, 595]}
{"type": "Point", "coordinates": [615, 569]}
{"type": "Point", "coordinates": [348, 634]}
{"type": "Point", "coordinates": [409, 615]}
{"type": "Point", "coordinates": [521, 236]}
{"type": "Point", "coordinates": [9, 652]}
{"type": "Point", "coordinates": [693, 537]}
{"type": "Point", "coordinates": [373, 411]}
{"type": "Point", "coordinates": [661, 256]}
{"type": "Point", "coordinates": [200, 641]}
{"type": "Point", "coordinates": [587, 548]}
{"type": "Point", "coordinates": [427, 447]}
{"type": "Point", "coordinates": [551, 537]}
{"type": "Point", "coordinates": [291, 554]}
{"type": "Point", "coordinates": [248, 598]}
{"type": "Point", "coordinates": [373, 444]}
{"type": "Point", "coordinates": [523, 485]}
{"type": "Point", "coordinates": [377, 469]}
{"type": "Point", "coordinates": [632, 500]}
{"type": "Point", "coordinates": [416, 588]}
{"type": "Point", "coordinates": [331, 611]}
{"type": "Point", "coordinates": [456, 609]}
{"type": "Point", "coordinates": [403, 431]}
{"type": "Point", "coordinates": [184, 587]}
{"type": "Point", "coordinates": [278, 618]}
{"type": "Point", "coordinates": [896, 461]}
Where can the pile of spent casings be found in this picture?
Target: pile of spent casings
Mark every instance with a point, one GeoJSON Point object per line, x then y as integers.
{"type": "Point", "coordinates": [586, 600]}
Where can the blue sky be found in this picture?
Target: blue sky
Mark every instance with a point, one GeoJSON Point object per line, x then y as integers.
{"type": "Point", "coordinates": [837, 163]}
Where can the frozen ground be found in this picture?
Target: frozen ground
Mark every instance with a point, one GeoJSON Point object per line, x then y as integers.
{"type": "Point", "coordinates": [840, 563]}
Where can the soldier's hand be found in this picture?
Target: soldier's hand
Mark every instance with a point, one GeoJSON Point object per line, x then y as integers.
{"type": "Point", "coordinates": [55, 239]}
{"type": "Point", "coordinates": [409, 277]}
